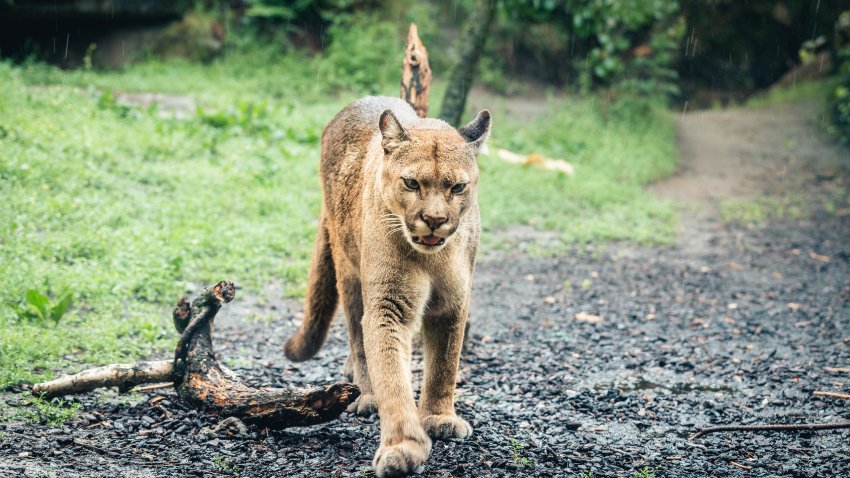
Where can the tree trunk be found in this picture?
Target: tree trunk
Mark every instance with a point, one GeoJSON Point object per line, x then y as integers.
{"type": "Point", "coordinates": [475, 35]}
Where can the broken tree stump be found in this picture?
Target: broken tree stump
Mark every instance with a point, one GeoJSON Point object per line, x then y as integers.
{"type": "Point", "coordinates": [415, 73]}
{"type": "Point", "coordinates": [204, 384]}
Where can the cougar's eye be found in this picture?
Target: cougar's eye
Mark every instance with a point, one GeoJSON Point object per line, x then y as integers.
{"type": "Point", "coordinates": [458, 188]}
{"type": "Point", "coordinates": [411, 184]}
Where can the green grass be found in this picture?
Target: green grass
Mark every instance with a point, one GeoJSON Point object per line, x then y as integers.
{"type": "Point", "coordinates": [759, 210]}
{"type": "Point", "coordinates": [126, 208]}
{"type": "Point", "coordinates": [39, 411]}
{"type": "Point", "coordinates": [616, 149]}
{"type": "Point", "coordinates": [800, 92]}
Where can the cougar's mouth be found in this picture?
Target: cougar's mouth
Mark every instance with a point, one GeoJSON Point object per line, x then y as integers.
{"type": "Point", "coordinates": [429, 240]}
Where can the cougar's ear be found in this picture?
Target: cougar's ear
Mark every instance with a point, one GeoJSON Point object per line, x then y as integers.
{"type": "Point", "coordinates": [392, 131]}
{"type": "Point", "coordinates": [477, 131]}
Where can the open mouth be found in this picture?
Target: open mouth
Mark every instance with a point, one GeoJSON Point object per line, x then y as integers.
{"type": "Point", "coordinates": [430, 240]}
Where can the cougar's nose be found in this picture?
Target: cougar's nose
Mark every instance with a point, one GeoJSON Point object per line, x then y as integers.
{"type": "Point", "coordinates": [434, 221]}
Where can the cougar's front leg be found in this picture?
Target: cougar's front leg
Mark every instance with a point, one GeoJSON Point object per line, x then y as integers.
{"type": "Point", "coordinates": [387, 333]}
{"type": "Point", "coordinates": [442, 336]}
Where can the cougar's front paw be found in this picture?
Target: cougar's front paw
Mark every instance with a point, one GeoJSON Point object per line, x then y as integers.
{"type": "Point", "coordinates": [401, 459]}
{"type": "Point", "coordinates": [446, 427]}
{"type": "Point", "coordinates": [364, 406]}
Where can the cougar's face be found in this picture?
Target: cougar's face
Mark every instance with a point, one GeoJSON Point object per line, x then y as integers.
{"type": "Point", "coordinates": [430, 179]}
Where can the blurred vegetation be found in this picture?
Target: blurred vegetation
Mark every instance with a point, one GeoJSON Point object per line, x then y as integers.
{"type": "Point", "coordinates": [840, 98]}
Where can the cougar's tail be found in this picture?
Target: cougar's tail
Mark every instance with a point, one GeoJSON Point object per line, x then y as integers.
{"type": "Point", "coordinates": [320, 306]}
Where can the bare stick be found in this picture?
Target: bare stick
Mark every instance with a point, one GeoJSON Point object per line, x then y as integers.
{"type": "Point", "coordinates": [819, 393]}
{"type": "Point", "coordinates": [155, 386]}
{"type": "Point", "coordinates": [123, 376]}
{"type": "Point", "coordinates": [837, 369]}
{"type": "Point", "coordinates": [791, 427]}
{"type": "Point", "coordinates": [743, 467]}
{"type": "Point", "coordinates": [415, 73]}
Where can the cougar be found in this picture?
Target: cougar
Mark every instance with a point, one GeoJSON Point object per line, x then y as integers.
{"type": "Point", "coordinates": [396, 243]}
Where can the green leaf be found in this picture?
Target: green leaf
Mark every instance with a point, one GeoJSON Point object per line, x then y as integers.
{"type": "Point", "coordinates": [38, 302]}
{"type": "Point", "coordinates": [62, 306]}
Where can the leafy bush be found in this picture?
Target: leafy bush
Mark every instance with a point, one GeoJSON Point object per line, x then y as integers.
{"type": "Point", "coordinates": [587, 43]}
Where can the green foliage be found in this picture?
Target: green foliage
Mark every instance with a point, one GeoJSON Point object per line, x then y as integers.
{"type": "Point", "coordinates": [630, 45]}
{"type": "Point", "coordinates": [840, 97]}
{"type": "Point", "coordinates": [646, 472]}
{"type": "Point", "coordinates": [365, 54]}
{"type": "Point", "coordinates": [518, 454]}
{"type": "Point", "coordinates": [222, 464]}
{"type": "Point", "coordinates": [42, 310]}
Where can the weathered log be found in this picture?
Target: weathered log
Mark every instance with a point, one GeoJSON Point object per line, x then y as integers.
{"type": "Point", "coordinates": [201, 382]}
{"type": "Point", "coordinates": [416, 73]}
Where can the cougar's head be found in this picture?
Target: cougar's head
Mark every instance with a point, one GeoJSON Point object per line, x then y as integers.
{"type": "Point", "coordinates": [430, 178]}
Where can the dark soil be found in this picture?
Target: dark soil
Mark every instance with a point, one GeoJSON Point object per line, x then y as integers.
{"type": "Point", "coordinates": [677, 338]}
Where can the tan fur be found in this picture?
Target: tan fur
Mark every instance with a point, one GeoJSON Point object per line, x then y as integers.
{"type": "Point", "coordinates": [388, 283]}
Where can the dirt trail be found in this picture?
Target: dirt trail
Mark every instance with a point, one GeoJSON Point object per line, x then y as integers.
{"type": "Point", "coordinates": [744, 154]}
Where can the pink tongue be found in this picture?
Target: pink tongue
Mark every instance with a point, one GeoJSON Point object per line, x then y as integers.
{"type": "Point", "coordinates": [430, 240]}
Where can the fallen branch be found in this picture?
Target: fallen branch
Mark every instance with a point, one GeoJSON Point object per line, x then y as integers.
{"type": "Point", "coordinates": [201, 382]}
{"type": "Point", "coordinates": [792, 427]}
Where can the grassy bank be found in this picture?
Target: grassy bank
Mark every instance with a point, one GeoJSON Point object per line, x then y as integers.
{"type": "Point", "coordinates": [123, 207]}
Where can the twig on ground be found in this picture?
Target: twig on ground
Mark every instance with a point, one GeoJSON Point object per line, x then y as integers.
{"type": "Point", "coordinates": [743, 467]}
{"type": "Point", "coordinates": [155, 386]}
{"type": "Point", "coordinates": [819, 393]}
{"type": "Point", "coordinates": [788, 427]}
{"type": "Point", "coordinates": [837, 369]}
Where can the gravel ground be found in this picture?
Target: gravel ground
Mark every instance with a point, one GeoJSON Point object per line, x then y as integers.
{"type": "Point", "coordinates": [667, 343]}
